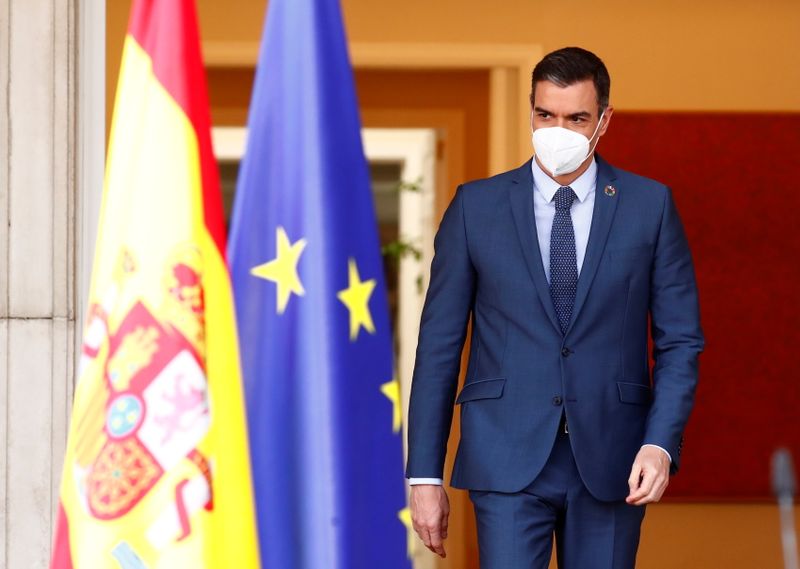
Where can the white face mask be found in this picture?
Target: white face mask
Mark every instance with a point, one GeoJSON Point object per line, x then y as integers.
{"type": "Point", "coordinates": [560, 150]}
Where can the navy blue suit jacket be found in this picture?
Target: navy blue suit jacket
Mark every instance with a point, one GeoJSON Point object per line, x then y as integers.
{"type": "Point", "coordinates": [523, 373]}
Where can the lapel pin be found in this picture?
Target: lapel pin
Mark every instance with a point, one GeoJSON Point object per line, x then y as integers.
{"type": "Point", "coordinates": [610, 191]}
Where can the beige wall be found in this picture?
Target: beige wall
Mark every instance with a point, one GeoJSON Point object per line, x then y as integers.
{"type": "Point", "coordinates": [711, 536]}
{"type": "Point", "coordinates": [662, 54]}
{"type": "Point", "coordinates": [717, 55]}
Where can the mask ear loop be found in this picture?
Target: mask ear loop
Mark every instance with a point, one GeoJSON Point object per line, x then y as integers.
{"type": "Point", "coordinates": [596, 130]}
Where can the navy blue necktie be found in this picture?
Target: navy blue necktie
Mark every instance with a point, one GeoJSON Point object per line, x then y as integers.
{"type": "Point", "coordinates": [563, 262]}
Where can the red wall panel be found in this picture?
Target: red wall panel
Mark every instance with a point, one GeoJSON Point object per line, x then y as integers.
{"type": "Point", "coordinates": [736, 183]}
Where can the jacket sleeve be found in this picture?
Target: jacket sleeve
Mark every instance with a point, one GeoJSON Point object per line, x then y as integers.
{"type": "Point", "coordinates": [441, 339]}
{"type": "Point", "coordinates": [677, 335]}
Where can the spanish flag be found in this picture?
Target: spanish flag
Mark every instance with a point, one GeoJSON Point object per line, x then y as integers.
{"type": "Point", "coordinates": [157, 473]}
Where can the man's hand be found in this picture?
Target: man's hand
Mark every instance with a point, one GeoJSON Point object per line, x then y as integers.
{"type": "Point", "coordinates": [429, 511]}
{"type": "Point", "coordinates": [649, 476]}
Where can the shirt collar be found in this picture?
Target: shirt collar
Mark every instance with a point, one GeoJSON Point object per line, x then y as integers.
{"type": "Point", "coordinates": [547, 186]}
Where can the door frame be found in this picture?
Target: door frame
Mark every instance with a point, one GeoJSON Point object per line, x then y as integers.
{"type": "Point", "coordinates": [509, 67]}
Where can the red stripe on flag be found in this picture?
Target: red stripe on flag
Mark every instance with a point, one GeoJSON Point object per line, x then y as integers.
{"type": "Point", "coordinates": [168, 31]}
{"type": "Point", "coordinates": [183, 514]}
{"type": "Point", "coordinates": [62, 555]}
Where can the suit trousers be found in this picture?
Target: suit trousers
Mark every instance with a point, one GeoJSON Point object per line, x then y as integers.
{"type": "Point", "coordinates": [515, 530]}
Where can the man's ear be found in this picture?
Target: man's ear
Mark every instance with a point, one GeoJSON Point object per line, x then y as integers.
{"type": "Point", "coordinates": [606, 121]}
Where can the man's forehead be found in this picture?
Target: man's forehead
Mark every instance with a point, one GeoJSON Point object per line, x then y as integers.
{"type": "Point", "coordinates": [575, 98]}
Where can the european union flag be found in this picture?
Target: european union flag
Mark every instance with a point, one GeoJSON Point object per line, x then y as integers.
{"type": "Point", "coordinates": [323, 402]}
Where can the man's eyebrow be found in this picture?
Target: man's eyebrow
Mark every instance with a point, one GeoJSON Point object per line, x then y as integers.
{"type": "Point", "coordinates": [578, 115]}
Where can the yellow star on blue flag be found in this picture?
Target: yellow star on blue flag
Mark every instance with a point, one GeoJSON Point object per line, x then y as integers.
{"type": "Point", "coordinates": [356, 298]}
{"type": "Point", "coordinates": [282, 270]}
{"type": "Point", "coordinates": [391, 390]}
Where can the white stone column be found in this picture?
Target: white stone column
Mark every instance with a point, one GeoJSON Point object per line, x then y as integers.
{"type": "Point", "coordinates": [40, 163]}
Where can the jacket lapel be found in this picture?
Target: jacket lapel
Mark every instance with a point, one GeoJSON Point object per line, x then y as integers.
{"type": "Point", "coordinates": [521, 196]}
{"type": "Point", "coordinates": [603, 214]}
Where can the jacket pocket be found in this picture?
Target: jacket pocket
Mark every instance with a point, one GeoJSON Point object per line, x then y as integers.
{"type": "Point", "coordinates": [482, 389]}
{"type": "Point", "coordinates": [635, 393]}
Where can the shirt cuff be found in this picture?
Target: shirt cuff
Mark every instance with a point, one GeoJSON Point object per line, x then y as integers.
{"type": "Point", "coordinates": [669, 456]}
{"type": "Point", "coordinates": [418, 481]}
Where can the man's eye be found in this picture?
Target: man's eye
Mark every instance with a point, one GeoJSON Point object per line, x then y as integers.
{"type": "Point", "coordinates": [543, 115]}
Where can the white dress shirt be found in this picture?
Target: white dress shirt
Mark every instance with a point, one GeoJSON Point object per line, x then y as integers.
{"type": "Point", "coordinates": [544, 209]}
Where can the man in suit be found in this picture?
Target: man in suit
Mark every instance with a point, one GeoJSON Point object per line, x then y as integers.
{"type": "Point", "coordinates": [559, 264]}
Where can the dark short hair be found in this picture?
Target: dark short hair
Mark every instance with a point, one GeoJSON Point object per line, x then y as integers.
{"type": "Point", "coordinates": [569, 65]}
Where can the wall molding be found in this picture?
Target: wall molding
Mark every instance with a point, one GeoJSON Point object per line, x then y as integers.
{"type": "Point", "coordinates": [509, 68]}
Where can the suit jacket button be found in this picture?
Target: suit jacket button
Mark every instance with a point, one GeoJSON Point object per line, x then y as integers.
{"type": "Point", "coordinates": [557, 400]}
{"type": "Point", "coordinates": [565, 352]}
